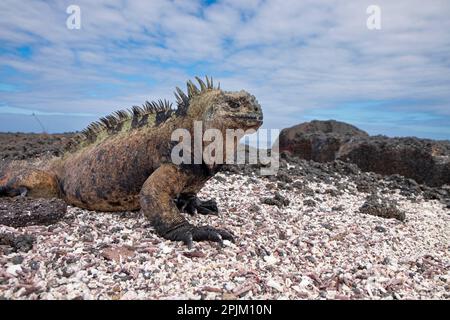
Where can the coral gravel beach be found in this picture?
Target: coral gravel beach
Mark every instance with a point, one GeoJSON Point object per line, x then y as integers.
{"type": "Point", "coordinates": [313, 231]}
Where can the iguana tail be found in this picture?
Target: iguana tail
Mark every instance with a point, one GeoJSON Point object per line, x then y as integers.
{"type": "Point", "coordinates": [3, 191]}
{"type": "Point", "coordinates": [36, 183]}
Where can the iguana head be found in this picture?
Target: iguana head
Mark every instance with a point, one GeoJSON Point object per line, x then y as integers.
{"type": "Point", "coordinates": [220, 109]}
{"type": "Point", "coordinates": [233, 110]}
{"type": "Point", "coordinates": [236, 112]}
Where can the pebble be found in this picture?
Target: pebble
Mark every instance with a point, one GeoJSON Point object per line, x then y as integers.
{"type": "Point", "coordinates": [14, 269]}
{"type": "Point", "coordinates": [274, 284]}
{"type": "Point", "coordinates": [166, 249]}
{"type": "Point", "coordinates": [270, 260]}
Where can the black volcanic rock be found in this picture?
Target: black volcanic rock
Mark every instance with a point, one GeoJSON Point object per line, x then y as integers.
{"type": "Point", "coordinates": [17, 242]}
{"type": "Point", "coordinates": [382, 208]}
{"type": "Point", "coordinates": [20, 146]}
{"type": "Point", "coordinates": [426, 161]}
{"type": "Point", "coordinates": [21, 211]}
{"type": "Point", "coordinates": [317, 140]}
{"type": "Point", "coordinates": [302, 171]}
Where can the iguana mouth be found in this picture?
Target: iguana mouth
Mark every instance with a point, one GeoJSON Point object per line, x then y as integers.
{"type": "Point", "coordinates": [249, 117]}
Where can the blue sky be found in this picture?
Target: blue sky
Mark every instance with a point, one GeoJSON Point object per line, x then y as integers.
{"type": "Point", "coordinates": [303, 60]}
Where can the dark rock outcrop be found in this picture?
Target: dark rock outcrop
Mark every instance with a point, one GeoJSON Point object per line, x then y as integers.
{"type": "Point", "coordinates": [278, 200]}
{"type": "Point", "coordinates": [21, 146]}
{"type": "Point", "coordinates": [426, 161]}
{"type": "Point", "coordinates": [318, 140]}
{"type": "Point", "coordinates": [21, 212]}
{"type": "Point", "coordinates": [331, 173]}
{"type": "Point", "coordinates": [382, 208]}
{"type": "Point", "coordinates": [16, 242]}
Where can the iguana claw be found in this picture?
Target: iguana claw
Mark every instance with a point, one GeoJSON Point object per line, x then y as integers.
{"type": "Point", "coordinates": [191, 204]}
{"type": "Point", "coordinates": [189, 233]}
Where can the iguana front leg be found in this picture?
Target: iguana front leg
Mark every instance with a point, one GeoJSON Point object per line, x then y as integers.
{"type": "Point", "coordinates": [156, 200]}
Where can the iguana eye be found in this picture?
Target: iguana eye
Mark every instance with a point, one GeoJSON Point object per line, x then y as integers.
{"type": "Point", "coordinates": [233, 104]}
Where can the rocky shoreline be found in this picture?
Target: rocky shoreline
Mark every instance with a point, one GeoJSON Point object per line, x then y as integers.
{"type": "Point", "coordinates": [313, 231]}
{"type": "Point", "coordinates": [424, 160]}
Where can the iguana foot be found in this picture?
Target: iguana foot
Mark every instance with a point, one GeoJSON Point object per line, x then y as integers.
{"type": "Point", "coordinates": [189, 233]}
{"type": "Point", "coordinates": [192, 204]}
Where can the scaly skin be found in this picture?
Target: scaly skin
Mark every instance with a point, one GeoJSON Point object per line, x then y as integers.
{"type": "Point", "coordinates": [124, 162]}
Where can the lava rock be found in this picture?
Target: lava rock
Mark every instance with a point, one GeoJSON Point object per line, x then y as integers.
{"type": "Point", "coordinates": [21, 211]}
{"type": "Point", "coordinates": [338, 208]}
{"type": "Point", "coordinates": [254, 208]}
{"type": "Point", "coordinates": [426, 161]}
{"type": "Point", "coordinates": [278, 200]}
{"type": "Point", "coordinates": [317, 140]}
{"type": "Point", "coordinates": [309, 203]}
{"type": "Point", "coordinates": [382, 208]}
{"type": "Point", "coordinates": [18, 242]}
{"type": "Point", "coordinates": [21, 146]}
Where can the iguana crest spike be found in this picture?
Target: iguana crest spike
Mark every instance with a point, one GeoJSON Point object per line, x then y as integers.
{"type": "Point", "coordinates": [203, 86]}
{"type": "Point", "coordinates": [138, 116]}
{"type": "Point", "coordinates": [183, 99]}
{"type": "Point", "coordinates": [192, 89]}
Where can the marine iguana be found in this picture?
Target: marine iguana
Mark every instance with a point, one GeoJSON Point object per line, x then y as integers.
{"type": "Point", "coordinates": [122, 162]}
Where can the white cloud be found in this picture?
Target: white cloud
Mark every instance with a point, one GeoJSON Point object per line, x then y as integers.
{"type": "Point", "coordinates": [295, 56]}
